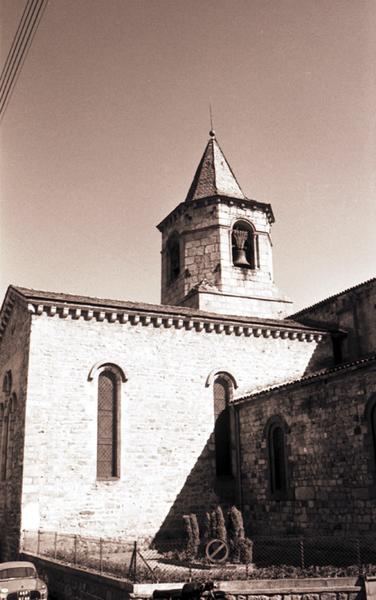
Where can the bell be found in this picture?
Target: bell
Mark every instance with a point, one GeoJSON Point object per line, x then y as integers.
{"type": "Point", "coordinates": [240, 258]}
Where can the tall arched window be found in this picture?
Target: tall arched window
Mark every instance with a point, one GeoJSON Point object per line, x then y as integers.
{"type": "Point", "coordinates": [222, 429]}
{"type": "Point", "coordinates": [373, 427]}
{"type": "Point", "coordinates": [277, 457]}
{"type": "Point", "coordinates": [173, 258]}
{"type": "Point", "coordinates": [108, 426]}
{"type": "Point", "coordinates": [370, 414]}
{"type": "Point", "coordinates": [6, 414]}
{"type": "Point", "coordinates": [3, 436]}
{"type": "Point", "coordinates": [243, 245]}
{"type": "Point", "coordinates": [11, 434]}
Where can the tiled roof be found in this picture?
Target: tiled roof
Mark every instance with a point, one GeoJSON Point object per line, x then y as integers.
{"type": "Point", "coordinates": [69, 306]}
{"type": "Point", "coordinates": [331, 298]}
{"type": "Point", "coordinates": [214, 176]}
{"type": "Point", "coordinates": [360, 362]}
{"type": "Point", "coordinates": [38, 296]}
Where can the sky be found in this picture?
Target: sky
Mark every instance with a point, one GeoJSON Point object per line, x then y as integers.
{"type": "Point", "coordinates": [110, 116]}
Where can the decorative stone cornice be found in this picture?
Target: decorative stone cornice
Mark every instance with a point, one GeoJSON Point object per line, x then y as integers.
{"type": "Point", "coordinates": [130, 314]}
{"type": "Point", "coordinates": [189, 323]}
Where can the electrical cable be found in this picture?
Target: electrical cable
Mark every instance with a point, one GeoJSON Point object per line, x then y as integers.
{"type": "Point", "coordinates": [10, 57]}
{"type": "Point", "coordinates": [21, 47]}
{"type": "Point", "coordinates": [20, 52]}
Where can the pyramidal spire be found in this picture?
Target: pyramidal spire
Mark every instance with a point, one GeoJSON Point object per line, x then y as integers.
{"type": "Point", "coordinates": [214, 175]}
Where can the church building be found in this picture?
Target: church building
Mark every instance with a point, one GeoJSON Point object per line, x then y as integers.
{"type": "Point", "coordinates": [117, 418]}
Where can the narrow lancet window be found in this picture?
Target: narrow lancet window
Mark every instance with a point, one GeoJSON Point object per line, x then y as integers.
{"type": "Point", "coordinates": [173, 258]}
{"type": "Point", "coordinates": [277, 460]}
{"type": "Point", "coordinates": [108, 426]}
{"type": "Point", "coordinates": [373, 428]}
{"type": "Point", "coordinates": [222, 428]}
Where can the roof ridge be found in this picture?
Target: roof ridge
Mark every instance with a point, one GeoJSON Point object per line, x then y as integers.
{"type": "Point", "coordinates": [310, 377]}
{"type": "Point", "coordinates": [75, 299]}
{"type": "Point", "coordinates": [332, 297]}
{"type": "Point", "coordinates": [230, 168]}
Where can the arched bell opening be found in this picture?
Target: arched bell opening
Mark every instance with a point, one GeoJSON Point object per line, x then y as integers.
{"type": "Point", "coordinates": [243, 245]}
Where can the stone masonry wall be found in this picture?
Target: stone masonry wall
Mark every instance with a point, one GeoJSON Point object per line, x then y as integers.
{"type": "Point", "coordinates": [330, 457]}
{"type": "Point", "coordinates": [353, 311]}
{"type": "Point", "coordinates": [13, 358]}
{"type": "Point", "coordinates": [206, 253]}
{"type": "Point", "coordinates": [224, 304]}
{"type": "Point", "coordinates": [167, 450]}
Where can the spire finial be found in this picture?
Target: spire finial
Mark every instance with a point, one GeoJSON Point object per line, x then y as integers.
{"type": "Point", "coordinates": [211, 132]}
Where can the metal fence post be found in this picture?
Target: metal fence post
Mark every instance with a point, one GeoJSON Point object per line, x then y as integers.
{"type": "Point", "coordinates": [100, 555]}
{"type": "Point", "coordinates": [358, 555]}
{"type": "Point", "coordinates": [75, 550]}
{"type": "Point", "coordinates": [38, 542]}
{"type": "Point", "coordinates": [135, 563]}
{"type": "Point", "coordinates": [302, 561]}
{"type": "Point", "coordinates": [55, 545]}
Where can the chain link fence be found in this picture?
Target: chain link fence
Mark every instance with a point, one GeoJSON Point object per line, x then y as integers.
{"type": "Point", "coordinates": [170, 561]}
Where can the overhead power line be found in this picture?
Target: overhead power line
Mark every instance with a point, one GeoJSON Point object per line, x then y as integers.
{"type": "Point", "coordinates": [21, 43]}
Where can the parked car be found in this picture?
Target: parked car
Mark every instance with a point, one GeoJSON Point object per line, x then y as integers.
{"type": "Point", "coordinates": [19, 581]}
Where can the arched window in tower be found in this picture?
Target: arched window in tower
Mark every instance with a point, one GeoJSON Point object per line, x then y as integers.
{"type": "Point", "coordinates": [173, 258]}
{"type": "Point", "coordinates": [108, 425]}
{"type": "Point", "coordinates": [222, 427]}
{"type": "Point", "coordinates": [277, 459]}
{"type": "Point", "coordinates": [244, 246]}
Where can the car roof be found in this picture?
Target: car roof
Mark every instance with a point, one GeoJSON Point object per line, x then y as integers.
{"type": "Point", "coordinates": [16, 563]}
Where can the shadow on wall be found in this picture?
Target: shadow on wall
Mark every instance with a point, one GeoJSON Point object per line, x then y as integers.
{"type": "Point", "coordinates": [202, 491]}
{"type": "Point", "coordinates": [323, 357]}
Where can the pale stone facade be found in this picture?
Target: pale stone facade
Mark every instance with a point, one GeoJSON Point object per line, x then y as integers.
{"type": "Point", "coordinates": [166, 360]}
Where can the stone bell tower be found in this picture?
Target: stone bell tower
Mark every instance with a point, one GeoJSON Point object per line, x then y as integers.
{"type": "Point", "coordinates": [216, 246]}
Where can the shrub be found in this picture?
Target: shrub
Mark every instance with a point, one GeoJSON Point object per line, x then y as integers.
{"type": "Point", "coordinates": [206, 529]}
{"type": "Point", "coordinates": [192, 532]}
{"type": "Point", "coordinates": [240, 546]}
{"type": "Point", "coordinates": [195, 534]}
{"type": "Point", "coordinates": [221, 532]}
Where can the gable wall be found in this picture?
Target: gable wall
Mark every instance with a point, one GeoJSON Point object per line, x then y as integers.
{"type": "Point", "coordinates": [354, 311]}
{"type": "Point", "coordinates": [167, 452]}
{"type": "Point", "coordinates": [330, 457]}
{"type": "Point", "coordinates": [14, 358]}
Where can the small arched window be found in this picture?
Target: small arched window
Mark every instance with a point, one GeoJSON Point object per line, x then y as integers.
{"type": "Point", "coordinates": [222, 428]}
{"type": "Point", "coordinates": [108, 425]}
{"type": "Point", "coordinates": [243, 245]}
{"type": "Point", "coordinates": [7, 383]}
{"type": "Point", "coordinates": [173, 258]}
{"type": "Point", "coordinates": [277, 458]}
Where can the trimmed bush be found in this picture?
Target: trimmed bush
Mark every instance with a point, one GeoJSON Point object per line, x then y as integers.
{"type": "Point", "coordinates": [192, 533]}
{"type": "Point", "coordinates": [240, 546]}
{"type": "Point", "coordinates": [221, 527]}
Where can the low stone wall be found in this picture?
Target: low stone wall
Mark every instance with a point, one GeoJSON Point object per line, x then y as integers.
{"type": "Point", "coordinates": [67, 582]}
{"type": "Point", "coordinates": [72, 583]}
{"type": "Point", "coordinates": [332, 588]}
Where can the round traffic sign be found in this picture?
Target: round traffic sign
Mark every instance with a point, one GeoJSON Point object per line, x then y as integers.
{"type": "Point", "coordinates": [216, 551]}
